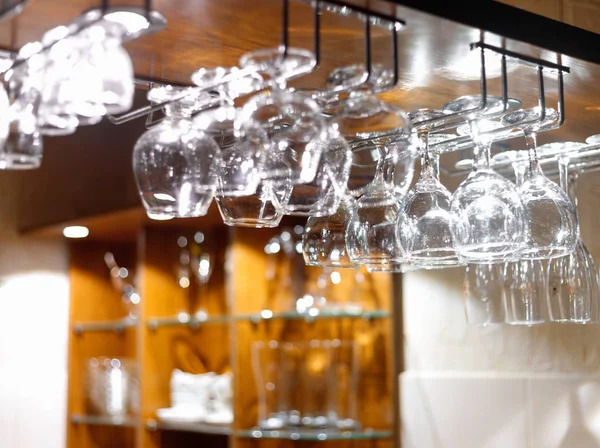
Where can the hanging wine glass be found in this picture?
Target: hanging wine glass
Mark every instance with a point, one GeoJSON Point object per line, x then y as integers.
{"type": "Point", "coordinates": [423, 226]}
{"type": "Point", "coordinates": [552, 222]}
{"type": "Point", "coordinates": [324, 238]}
{"type": "Point", "coordinates": [370, 234]}
{"type": "Point", "coordinates": [572, 280]}
{"type": "Point", "coordinates": [488, 217]}
{"type": "Point", "coordinates": [526, 284]}
{"type": "Point", "coordinates": [366, 121]}
{"type": "Point", "coordinates": [484, 294]}
{"type": "Point", "coordinates": [175, 162]}
{"type": "Point", "coordinates": [242, 159]}
{"type": "Point", "coordinates": [525, 280]}
{"type": "Point", "coordinates": [322, 195]}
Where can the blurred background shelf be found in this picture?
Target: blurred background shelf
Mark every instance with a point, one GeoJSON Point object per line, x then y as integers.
{"type": "Point", "coordinates": [314, 436]}
{"type": "Point", "coordinates": [109, 325]}
{"type": "Point", "coordinates": [202, 428]}
{"type": "Point", "coordinates": [313, 314]}
{"type": "Point", "coordinates": [185, 319]}
{"type": "Point", "coordinates": [103, 421]}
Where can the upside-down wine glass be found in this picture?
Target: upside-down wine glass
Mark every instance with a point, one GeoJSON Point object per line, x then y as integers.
{"type": "Point", "coordinates": [324, 238]}
{"type": "Point", "coordinates": [175, 161]}
{"type": "Point", "coordinates": [572, 279]}
{"type": "Point", "coordinates": [525, 279]}
{"type": "Point", "coordinates": [370, 233]}
{"type": "Point", "coordinates": [488, 217]}
{"type": "Point", "coordinates": [423, 222]}
{"type": "Point", "coordinates": [484, 294]}
{"type": "Point", "coordinates": [552, 221]}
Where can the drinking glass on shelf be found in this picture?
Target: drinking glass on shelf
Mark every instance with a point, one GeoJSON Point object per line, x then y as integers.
{"type": "Point", "coordinates": [572, 279]}
{"type": "Point", "coordinates": [275, 380]}
{"type": "Point", "coordinates": [488, 218]}
{"type": "Point", "coordinates": [324, 238]}
{"type": "Point", "coordinates": [423, 222]}
{"type": "Point", "coordinates": [175, 161]}
{"type": "Point", "coordinates": [552, 221]}
{"type": "Point", "coordinates": [484, 294]}
{"type": "Point", "coordinates": [111, 387]}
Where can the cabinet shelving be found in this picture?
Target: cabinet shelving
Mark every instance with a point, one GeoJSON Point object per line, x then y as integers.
{"type": "Point", "coordinates": [117, 326]}
{"type": "Point", "coordinates": [78, 419]}
{"type": "Point", "coordinates": [239, 308]}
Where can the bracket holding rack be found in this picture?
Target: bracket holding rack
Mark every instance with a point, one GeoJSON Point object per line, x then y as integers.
{"type": "Point", "coordinates": [539, 65]}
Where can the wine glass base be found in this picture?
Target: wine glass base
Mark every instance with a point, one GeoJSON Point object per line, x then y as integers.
{"type": "Point", "coordinates": [526, 323]}
{"type": "Point", "coordinates": [249, 222]}
{"type": "Point", "coordinates": [547, 253]}
{"type": "Point", "coordinates": [573, 321]}
{"type": "Point", "coordinates": [331, 264]}
{"type": "Point", "coordinates": [489, 253]}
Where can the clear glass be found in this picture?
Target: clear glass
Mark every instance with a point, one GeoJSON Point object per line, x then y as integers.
{"type": "Point", "coordinates": [112, 387]}
{"type": "Point", "coordinates": [572, 279]}
{"type": "Point", "coordinates": [278, 66]}
{"type": "Point", "coordinates": [58, 88]}
{"type": "Point", "coordinates": [324, 238]}
{"type": "Point", "coordinates": [489, 221]}
{"type": "Point", "coordinates": [273, 381]}
{"type": "Point", "coordinates": [175, 162]}
{"type": "Point", "coordinates": [423, 226]}
{"type": "Point", "coordinates": [526, 282]}
{"type": "Point", "coordinates": [307, 386]}
{"type": "Point", "coordinates": [322, 195]}
{"type": "Point", "coordinates": [111, 63]}
{"type": "Point", "coordinates": [256, 210]}
{"type": "Point", "coordinates": [243, 154]}
{"type": "Point", "coordinates": [552, 221]}
{"type": "Point", "coordinates": [370, 234]}
{"type": "Point", "coordinates": [484, 294]}
{"type": "Point", "coordinates": [296, 128]}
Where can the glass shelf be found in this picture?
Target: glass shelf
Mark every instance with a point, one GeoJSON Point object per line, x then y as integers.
{"type": "Point", "coordinates": [313, 314]}
{"type": "Point", "coordinates": [203, 428]}
{"type": "Point", "coordinates": [107, 325]}
{"type": "Point", "coordinates": [192, 321]}
{"type": "Point", "coordinates": [103, 421]}
{"type": "Point", "coordinates": [314, 435]}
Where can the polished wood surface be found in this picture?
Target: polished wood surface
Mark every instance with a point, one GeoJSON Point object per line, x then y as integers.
{"type": "Point", "coordinates": [193, 350]}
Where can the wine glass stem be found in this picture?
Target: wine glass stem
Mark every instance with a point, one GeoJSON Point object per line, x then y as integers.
{"type": "Point", "coordinates": [434, 164]}
{"type": "Point", "coordinates": [568, 181]}
{"type": "Point", "coordinates": [481, 152]}
{"type": "Point", "coordinates": [520, 170]}
{"type": "Point", "coordinates": [531, 141]}
{"type": "Point", "coordinates": [426, 166]}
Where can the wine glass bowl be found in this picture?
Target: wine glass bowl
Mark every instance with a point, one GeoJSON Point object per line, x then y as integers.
{"type": "Point", "coordinates": [175, 162]}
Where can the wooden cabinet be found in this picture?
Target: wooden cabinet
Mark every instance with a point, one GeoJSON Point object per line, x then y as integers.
{"type": "Point", "coordinates": [235, 299]}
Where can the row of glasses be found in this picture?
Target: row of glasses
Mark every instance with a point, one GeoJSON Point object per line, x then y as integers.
{"type": "Point", "coordinates": [531, 291]}
{"type": "Point", "coordinates": [72, 77]}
